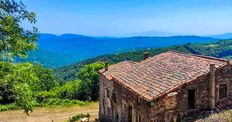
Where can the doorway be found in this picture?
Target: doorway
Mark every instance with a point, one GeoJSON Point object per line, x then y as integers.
{"type": "Point", "coordinates": [191, 99]}
{"type": "Point", "coordinates": [130, 114]}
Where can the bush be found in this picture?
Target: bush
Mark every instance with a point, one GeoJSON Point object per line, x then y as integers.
{"type": "Point", "coordinates": [69, 90]}
{"type": "Point", "coordinates": [78, 117]}
{"type": "Point", "coordinates": [43, 95]}
{"type": "Point", "coordinates": [64, 102]}
{"type": "Point", "coordinates": [20, 83]}
{"type": "Point", "coordinates": [8, 107]}
{"type": "Point", "coordinates": [89, 86]}
{"type": "Point", "coordinates": [29, 85]}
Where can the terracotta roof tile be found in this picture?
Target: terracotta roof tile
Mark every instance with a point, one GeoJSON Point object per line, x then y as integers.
{"type": "Point", "coordinates": [161, 73]}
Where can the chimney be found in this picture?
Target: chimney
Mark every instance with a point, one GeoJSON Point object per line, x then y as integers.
{"type": "Point", "coordinates": [228, 62]}
{"type": "Point", "coordinates": [106, 66]}
{"type": "Point", "coordinates": [212, 87]}
{"type": "Point", "coordinates": [145, 55]}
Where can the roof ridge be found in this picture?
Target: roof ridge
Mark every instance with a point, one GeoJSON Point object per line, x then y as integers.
{"type": "Point", "coordinates": [201, 56]}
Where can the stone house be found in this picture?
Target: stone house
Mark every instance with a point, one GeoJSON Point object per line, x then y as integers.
{"type": "Point", "coordinates": [164, 88]}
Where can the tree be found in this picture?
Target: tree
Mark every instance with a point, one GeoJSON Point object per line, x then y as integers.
{"type": "Point", "coordinates": [47, 80]}
{"type": "Point", "coordinates": [14, 39]}
{"type": "Point", "coordinates": [88, 89]}
{"type": "Point", "coordinates": [15, 83]}
{"type": "Point", "coordinates": [23, 82]}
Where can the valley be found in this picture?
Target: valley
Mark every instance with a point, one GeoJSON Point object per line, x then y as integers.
{"type": "Point", "coordinates": [52, 49]}
{"type": "Point", "coordinates": [220, 49]}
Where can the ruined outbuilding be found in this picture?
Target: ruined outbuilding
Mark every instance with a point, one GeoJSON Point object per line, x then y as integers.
{"type": "Point", "coordinates": [164, 88]}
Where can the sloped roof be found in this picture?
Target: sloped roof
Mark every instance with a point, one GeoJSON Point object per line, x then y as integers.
{"type": "Point", "coordinates": [162, 73]}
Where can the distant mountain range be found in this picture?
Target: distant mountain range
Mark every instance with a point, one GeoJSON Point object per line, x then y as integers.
{"type": "Point", "coordinates": [156, 33]}
{"type": "Point", "coordinates": [153, 33]}
{"type": "Point", "coordinates": [57, 51]}
{"type": "Point", "coordinates": [222, 36]}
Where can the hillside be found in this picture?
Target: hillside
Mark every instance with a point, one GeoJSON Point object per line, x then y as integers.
{"type": "Point", "coordinates": [220, 49]}
{"type": "Point", "coordinates": [56, 51]}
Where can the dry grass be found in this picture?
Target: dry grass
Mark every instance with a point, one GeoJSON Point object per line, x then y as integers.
{"type": "Point", "coordinates": [56, 114]}
{"type": "Point", "coordinates": [225, 116]}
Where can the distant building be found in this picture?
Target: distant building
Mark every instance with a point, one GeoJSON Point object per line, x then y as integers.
{"type": "Point", "coordinates": [164, 88]}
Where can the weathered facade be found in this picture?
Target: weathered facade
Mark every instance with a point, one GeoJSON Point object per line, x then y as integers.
{"type": "Point", "coordinates": [164, 88]}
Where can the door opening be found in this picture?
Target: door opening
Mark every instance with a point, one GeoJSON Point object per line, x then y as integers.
{"type": "Point", "coordinates": [130, 114]}
{"type": "Point", "coordinates": [191, 99]}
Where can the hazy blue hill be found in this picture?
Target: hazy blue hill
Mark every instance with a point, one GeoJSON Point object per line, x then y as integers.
{"type": "Point", "coordinates": [223, 36]}
{"type": "Point", "coordinates": [153, 33]}
{"type": "Point", "coordinates": [56, 51]}
{"type": "Point", "coordinates": [44, 36]}
{"type": "Point", "coordinates": [68, 36]}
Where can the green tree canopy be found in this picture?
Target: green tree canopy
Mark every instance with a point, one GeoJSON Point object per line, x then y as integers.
{"type": "Point", "coordinates": [14, 39]}
{"type": "Point", "coordinates": [21, 82]}
{"type": "Point", "coordinates": [88, 89]}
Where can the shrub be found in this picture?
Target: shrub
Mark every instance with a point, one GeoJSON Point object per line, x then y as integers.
{"type": "Point", "coordinates": [69, 90]}
{"type": "Point", "coordinates": [64, 102]}
{"type": "Point", "coordinates": [8, 107]}
{"type": "Point", "coordinates": [89, 86]}
{"type": "Point", "coordinates": [78, 117]}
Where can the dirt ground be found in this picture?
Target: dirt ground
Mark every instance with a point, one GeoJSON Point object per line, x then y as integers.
{"type": "Point", "coordinates": [57, 114]}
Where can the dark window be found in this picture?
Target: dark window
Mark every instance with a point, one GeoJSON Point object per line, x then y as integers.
{"type": "Point", "coordinates": [107, 93]}
{"type": "Point", "coordinates": [138, 100]}
{"type": "Point", "coordinates": [222, 91]}
{"type": "Point", "coordinates": [117, 117]}
{"type": "Point", "coordinates": [130, 114]}
{"type": "Point", "coordinates": [191, 99]}
{"type": "Point", "coordinates": [114, 97]}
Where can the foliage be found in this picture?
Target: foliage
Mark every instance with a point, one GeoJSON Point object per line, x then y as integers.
{"type": "Point", "coordinates": [11, 106]}
{"type": "Point", "coordinates": [85, 87]}
{"type": "Point", "coordinates": [88, 89]}
{"type": "Point", "coordinates": [24, 97]}
{"type": "Point", "coordinates": [46, 78]}
{"type": "Point", "coordinates": [78, 117]}
{"type": "Point", "coordinates": [14, 39]}
{"type": "Point", "coordinates": [69, 90]}
{"type": "Point", "coordinates": [50, 102]}
{"type": "Point", "coordinates": [17, 81]}
{"type": "Point", "coordinates": [21, 82]}
{"type": "Point", "coordinates": [26, 85]}
{"type": "Point", "coordinates": [220, 49]}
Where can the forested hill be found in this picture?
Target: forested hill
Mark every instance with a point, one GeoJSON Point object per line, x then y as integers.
{"type": "Point", "coordinates": [56, 51]}
{"type": "Point", "coordinates": [220, 49]}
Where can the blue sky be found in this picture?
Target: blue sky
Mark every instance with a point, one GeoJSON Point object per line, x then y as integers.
{"type": "Point", "coordinates": [119, 17]}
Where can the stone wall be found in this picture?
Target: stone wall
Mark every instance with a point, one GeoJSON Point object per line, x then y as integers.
{"type": "Point", "coordinates": [116, 108]}
{"type": "Point", "coordinates": [171, 107]}
{"type": "Point", "coordinates": [224, 76]}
